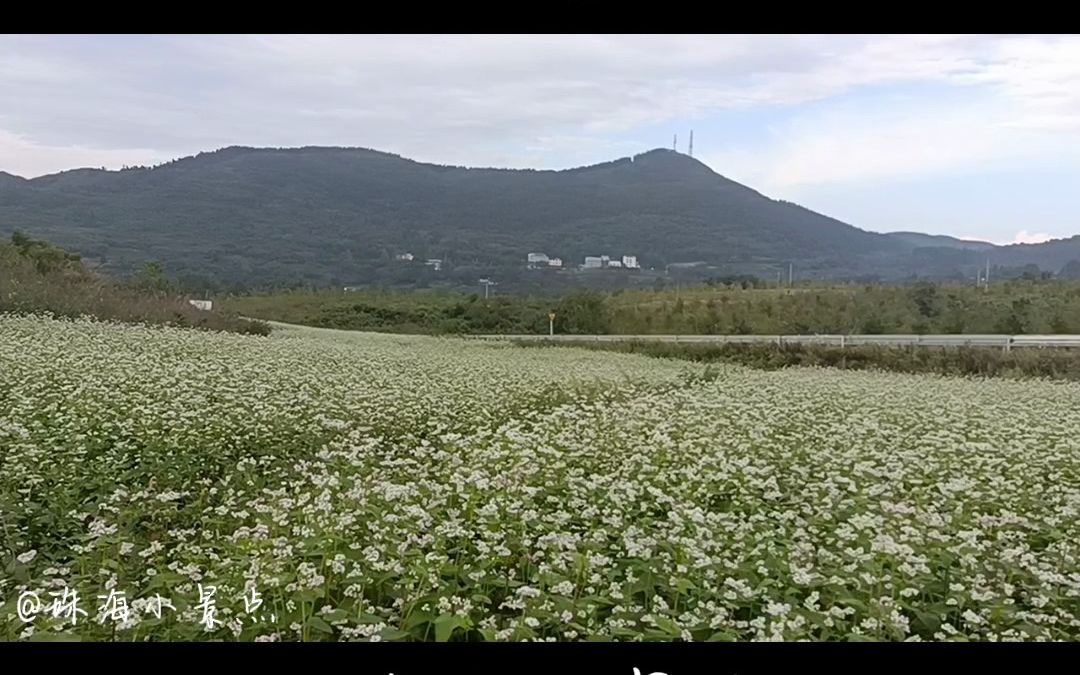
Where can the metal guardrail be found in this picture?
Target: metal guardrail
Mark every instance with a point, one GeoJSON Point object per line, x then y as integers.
{"type": "Point", "coordinates": [1006, 342]}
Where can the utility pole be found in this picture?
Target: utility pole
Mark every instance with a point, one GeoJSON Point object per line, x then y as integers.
{"type": "Point", "coordinates": [987, 279]}
{"type": "Point", "coordinates": [551, 323]}
{"type": "Point", "coordinates": [790, 273]}
{"type": "Point", "coordinates": [487, 283]}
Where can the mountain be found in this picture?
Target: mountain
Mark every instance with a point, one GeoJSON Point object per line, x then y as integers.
{"type": "Point", "coordinates": [920, 240]}
{"type": "Point", "coordinates": [8, 179]}
{"type": "Point", "coordinates": [321, 215]}
{"type": "Point", "coordinates": [935, 256]}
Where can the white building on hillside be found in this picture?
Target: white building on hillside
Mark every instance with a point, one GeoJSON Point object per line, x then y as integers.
{"type": "Point", "coordinates": [205, 305]}
{"type": "Point", "coordinates": [538, 258]}
{"type": "Point", "coordinates": [592, 261]}
{"type": "Point", "coordinates": [630, 261]}
{"type": "Point", "coordinates": [614, 263]}
{"type": "Point", "coordinates": [554, 262]}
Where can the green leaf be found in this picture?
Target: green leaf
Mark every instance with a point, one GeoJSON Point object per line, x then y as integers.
{"type": "Point", "coordinates": [928, 620]}
{"type": "Point", "coordinates": [320, 625]}
{"type": "Point", "coordinates": [54, 637]}
{"type": "Point", "coordinates": [336, 615]}
{"type": "Point", "coordinates": [668, 626]}
{"type": "Point", "coordinates": [305, 596]}
{"type": "Point", "coordinates": [392, 634]}
{"type": "Point", "coordinates": [445, 626]}
{"type": "Point", "coordinates": [684, 585]}
{"type": "Point", "coordinates": [415, 619]}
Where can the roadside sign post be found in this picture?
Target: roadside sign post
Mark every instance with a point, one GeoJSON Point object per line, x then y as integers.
{"type": "Point", "coordinates": [551, 323]}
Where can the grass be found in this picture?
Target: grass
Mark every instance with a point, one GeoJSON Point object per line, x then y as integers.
{"type": "Point", "coordinates": [1060, 364]}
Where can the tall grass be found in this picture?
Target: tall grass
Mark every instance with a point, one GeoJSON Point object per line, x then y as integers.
{"type": "Point", "coordinates": [1059, 364]}
{"type": "Point", "coordinates": [36, 278]}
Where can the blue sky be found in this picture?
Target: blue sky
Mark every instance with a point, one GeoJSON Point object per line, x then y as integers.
{"type": "Point", "coordinates": [973, 136]}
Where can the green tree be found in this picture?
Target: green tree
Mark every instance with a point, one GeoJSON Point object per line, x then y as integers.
{"type": "Point", "coordinates": [151, 278]}
{"type": "Point", "coordinates": [582, 313]}
{"type": "Point", "coordinates": [1016, 321]}
{"type": "Point", "coordinates": [925, 297]}
{"type": "Point", "coordinates": [873, 326]}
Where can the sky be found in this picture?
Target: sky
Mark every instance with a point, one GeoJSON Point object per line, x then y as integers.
{"type": "Point", "coordinates": [975, 136]}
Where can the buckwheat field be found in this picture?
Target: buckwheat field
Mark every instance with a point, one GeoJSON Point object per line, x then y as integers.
{"type": "Point", "coordinates": [165, 484]}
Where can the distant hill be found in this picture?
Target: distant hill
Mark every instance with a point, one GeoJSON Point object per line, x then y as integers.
{"type": "Point", "coordinates": [920, 240]}
{"type": "Point", "coordinates": [8, 179]}
{"type": "Point", "coordinates": [339, 216]}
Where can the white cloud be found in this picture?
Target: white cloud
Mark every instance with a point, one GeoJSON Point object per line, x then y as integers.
{"type": "Point", "coordinates": [37, 159]}
{"type": "Point", "coordinates": [493, 100]}
{"type": "Point", "coordinates": [1025, 237]}
{"type": "Point", "coordinates": [864, 143]}
{"type": "Point", "coordinates": [1010, 100]}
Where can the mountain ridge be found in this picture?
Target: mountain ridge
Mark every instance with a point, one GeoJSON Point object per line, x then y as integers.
{"type": "Point", "coordinates": [329, 215]}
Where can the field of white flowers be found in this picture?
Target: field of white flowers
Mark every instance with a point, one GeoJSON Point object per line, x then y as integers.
{"type": "Point", "coordinates": [329, 486]}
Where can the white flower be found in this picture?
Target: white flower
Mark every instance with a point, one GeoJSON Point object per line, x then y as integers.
{"type": "Point", "coordinates": [324, 465]}
{"type": "Point", "coordinates": [563, 588]}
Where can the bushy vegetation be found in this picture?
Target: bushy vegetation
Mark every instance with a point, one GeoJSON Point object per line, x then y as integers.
{"type": "Point", "coordinates": [1062, 364]}
{"type": "Point", "coordinates": [733, 306]}
{"type": "Point", "coordinates": [37, 277]}
{"type": "Point", "coordinates": [366, 487]}
{"type": "Point", "coordinates": [1010, 307]}
{"type": "Point", "coordinates": [426, 311]}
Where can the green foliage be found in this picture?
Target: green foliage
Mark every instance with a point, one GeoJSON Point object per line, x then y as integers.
{"type": "Point", "coordinates": [45, 257]}
{"type": "Point", "coordinates": [434, 312]}
{"type": "Point", "coordinates": [584, 312]}
{"type": "Point", "coordinates": [924, 295]}
{"type": "Point", "coordinates": [151, 279]}
{"type": "Point", "coordinates": [39, 278]}
{"type": "Point", "coordinates": [1060, 364]}
{"type": "Point", "coordinates": [1018, 306]}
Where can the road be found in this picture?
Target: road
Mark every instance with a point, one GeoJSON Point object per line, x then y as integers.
{"type": "Point", "coordinates": [1005, 342]}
